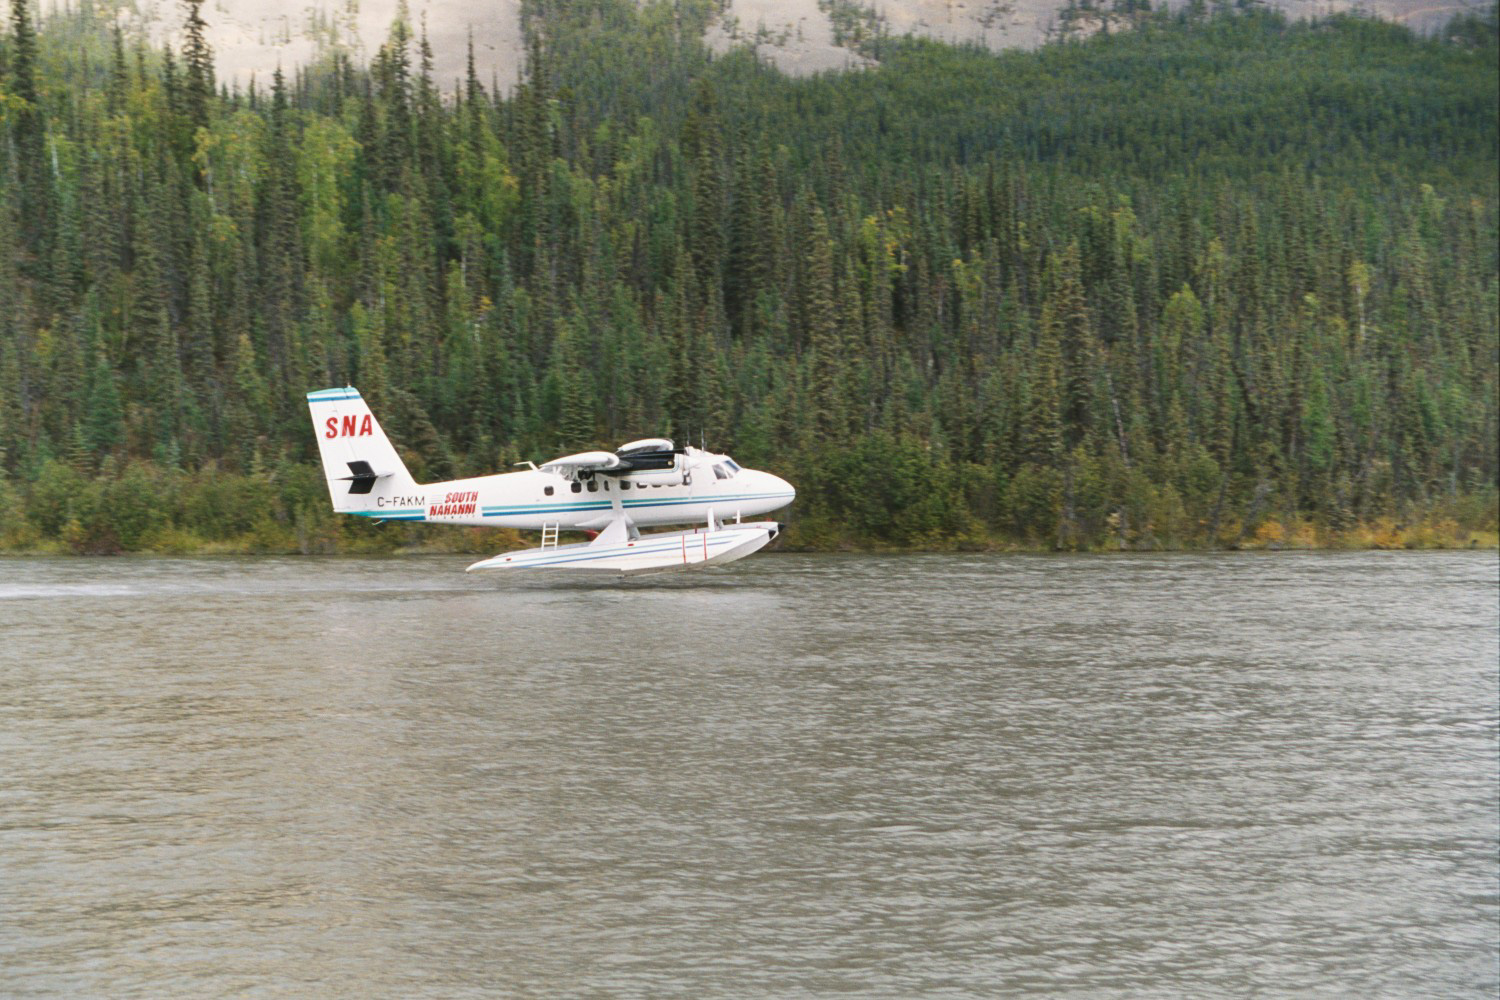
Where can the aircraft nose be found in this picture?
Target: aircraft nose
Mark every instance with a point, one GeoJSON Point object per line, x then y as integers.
{"type": "Point", "coordinates": [778, 485]}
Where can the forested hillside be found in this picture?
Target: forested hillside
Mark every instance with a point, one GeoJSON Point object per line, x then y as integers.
{"type": "Point", "coordinates": [1215, 280]}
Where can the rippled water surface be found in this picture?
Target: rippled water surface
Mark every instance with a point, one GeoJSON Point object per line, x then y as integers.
{"type": "Point", "coordinates": [1230, 775]}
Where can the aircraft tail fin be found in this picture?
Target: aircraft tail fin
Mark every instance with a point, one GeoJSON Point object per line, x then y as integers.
{"type": "Point", "coordinates": [364, 473]}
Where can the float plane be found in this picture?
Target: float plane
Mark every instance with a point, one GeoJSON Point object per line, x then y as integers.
{"type": "Point", "coordinates": [611, 495]}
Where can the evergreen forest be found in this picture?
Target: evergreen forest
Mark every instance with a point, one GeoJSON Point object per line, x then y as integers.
{"type": "Point", "coordinates": [1201, 279]}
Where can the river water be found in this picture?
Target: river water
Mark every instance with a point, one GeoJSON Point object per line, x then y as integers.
{"type": "Point", "coordinates": [800, 776]}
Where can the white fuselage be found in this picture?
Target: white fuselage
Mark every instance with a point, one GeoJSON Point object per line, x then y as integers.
{"type": "Point", "coordinates": [540, 498]}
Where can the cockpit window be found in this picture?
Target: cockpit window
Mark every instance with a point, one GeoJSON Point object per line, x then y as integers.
{"type": "Point", "coordinates": [720, 472]}
{"type": "Point", "coordinates": [732, 464]}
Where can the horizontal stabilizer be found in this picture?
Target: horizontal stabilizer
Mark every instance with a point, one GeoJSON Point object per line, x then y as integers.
{"type": "Point", "coordinates": [362, 478]}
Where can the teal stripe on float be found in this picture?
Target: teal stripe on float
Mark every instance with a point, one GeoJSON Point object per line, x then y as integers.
{"type": "Point", "coordinates": [621, 551]}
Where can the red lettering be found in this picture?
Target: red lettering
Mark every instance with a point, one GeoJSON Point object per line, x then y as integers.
{"type": "Point", "coordinates": [333, 428]}
{"type": "Point", "coordinates": [364, 426]}
{"type": "Point", "coordinates": [347, 430]}
{"type": "Point", "coordinates": [451, 508]}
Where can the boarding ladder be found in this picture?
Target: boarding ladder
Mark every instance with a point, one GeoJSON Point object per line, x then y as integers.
{"type": "Point", "coordinates": [549, 536]}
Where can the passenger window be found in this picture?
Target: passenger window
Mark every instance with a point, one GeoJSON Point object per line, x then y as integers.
{"type": "Point", "coordinates": [624, 484]}
{"type": "Point", "coordinates": [606, 486]}
{"type": "Point", "coordinates": [577, 488]}
{"type": "Point", "coordinates": [548, 491]}
{"type": "Point", "coordinates": [593, 486]}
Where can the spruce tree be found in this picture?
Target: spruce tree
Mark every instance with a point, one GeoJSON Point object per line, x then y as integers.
{"type": "Point", "coordinates": [36, 199]}
{"type": "Point", "coordinates": [199, 60]}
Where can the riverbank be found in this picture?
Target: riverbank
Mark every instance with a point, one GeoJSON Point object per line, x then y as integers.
{"type": "Point", "coordinates": [143, 508]}
{"type": "Point", "coordinates": [357, 537]}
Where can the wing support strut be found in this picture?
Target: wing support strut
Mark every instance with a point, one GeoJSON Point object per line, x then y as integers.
{"type": "Point", "coordinates": [621, 529]}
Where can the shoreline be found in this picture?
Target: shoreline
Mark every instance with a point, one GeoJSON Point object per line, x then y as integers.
{"type": "Point", "coordinates": [1422, 539]}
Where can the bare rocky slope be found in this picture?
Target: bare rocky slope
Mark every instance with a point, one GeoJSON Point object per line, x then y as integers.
{"type": "Point", "coordinates": [252, 37]}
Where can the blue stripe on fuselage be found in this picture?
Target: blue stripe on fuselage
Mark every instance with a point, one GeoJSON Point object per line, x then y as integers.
{"type": "Point", "coordinates": [632, 504]}
{"type": "Point", "coordinates": [587, 506]}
